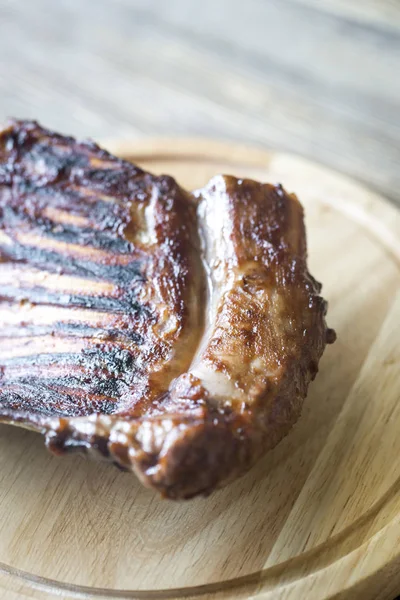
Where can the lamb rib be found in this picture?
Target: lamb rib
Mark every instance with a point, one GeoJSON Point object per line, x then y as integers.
{"type": "Point", "coordinates": [173, 333]}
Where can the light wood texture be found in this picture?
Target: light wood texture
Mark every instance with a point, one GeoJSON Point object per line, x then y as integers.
{"type": "Point", "coordinates": [317, 518]}
{"type": "Point", "coordinates": [319, 78]}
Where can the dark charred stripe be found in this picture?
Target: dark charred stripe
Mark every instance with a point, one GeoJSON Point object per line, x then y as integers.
{"type": "Point", "coordinates": [88, 204]}
{"type": "Point", "coordinates": [48, 359]}
{"type": "Point", "coordinates": [11, 401]}
{"type": "Point", "coordinates": [120, 274]}
{"type": "Point", "coordinates": [62, 156]}
{"type": "Point", "coordinates": [126, 337]}
{"type": "Point", "coordinates": [116, 335]}
{"type": "Point", "coordinates": [117, 361]}
{"type": "Point", "coordinates": [103, 387]}
{"type": "Point", "coordinates": [98, 212]}
{"type": "Point", "coordinates": [114, 361]}
{"type": "Point", "coordinates": [100, 377]}
{"type": "Point", "coordinates": [128, 182]}
{"type": "Point", "coordinates": [39, 398]}
{"type": "Point", "coordinates": [127, 304]}
{"type": "Point", "coordinates": [57, 161]}
{"type": "Point", "coordinates": [124, 183]}
{"type": "Point", "coordinates": [22, 135]}
{"type": "Point", "coordinates": [105, 240]}
{"type": "Point", "coordinates": [73, 376]}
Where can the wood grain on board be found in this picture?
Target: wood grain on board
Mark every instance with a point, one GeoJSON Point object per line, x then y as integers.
{"type": "Point", "coordinates": [317, 78]}
{"type": "Point", "coordinates": [318, 517]}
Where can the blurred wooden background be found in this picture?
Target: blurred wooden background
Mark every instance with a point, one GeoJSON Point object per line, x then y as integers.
{"type": "Point", "coordinates": [316, 77]}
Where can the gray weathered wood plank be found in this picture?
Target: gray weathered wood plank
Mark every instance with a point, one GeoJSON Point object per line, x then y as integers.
{"type": "Point", "coordinates": [318, 81]}
{"type": "Point", "coordinates": [384, 13]}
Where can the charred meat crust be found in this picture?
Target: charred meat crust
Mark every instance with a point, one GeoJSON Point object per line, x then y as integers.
{"type": "Point", "coordinates": [174, 334]}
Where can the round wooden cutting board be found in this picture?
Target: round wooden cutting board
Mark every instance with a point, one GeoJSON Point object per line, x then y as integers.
{"type": "Point", "coordinates": [318, 518]}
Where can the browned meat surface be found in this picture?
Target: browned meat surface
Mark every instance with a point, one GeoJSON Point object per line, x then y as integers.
{"type": "Point", "coordinates": [174, 333]}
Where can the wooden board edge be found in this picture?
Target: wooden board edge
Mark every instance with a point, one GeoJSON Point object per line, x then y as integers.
{"type": "Point", "coordinates": [383, 581]}
{"type": "Point", "coordinates": [385, 576]}
{"type": "Point", "coordinates": [152, 149]}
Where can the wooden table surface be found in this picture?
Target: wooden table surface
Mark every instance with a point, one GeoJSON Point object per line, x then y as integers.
{"type": "Point", "coordinates": [320, 78]}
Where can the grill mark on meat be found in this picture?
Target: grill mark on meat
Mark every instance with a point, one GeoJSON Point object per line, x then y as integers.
{"type": "Point", "coordinates": [67, 238]}
{"type": "Point", "coordinates": [92, 370]}
{"type": "Point", "coordinates": [21, 276]}
{"type": "Point", "coordinates": [46, 401]}
{"type": "Point", "coordinates": [72, 266]}
{"type": "Point", "coordinates": [70, 249]}
{"type": "Point", "coordinates": [32, 316]}
{"type": "Point", "coordinates": [61, 329]}
{"type": "Point", "coordinates": [175, 334]}
{"type": "Point", "coordinates": [128, 304]}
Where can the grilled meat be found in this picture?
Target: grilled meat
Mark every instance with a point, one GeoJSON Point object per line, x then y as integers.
{"type": "Point", "coordinates": [173, 333]}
